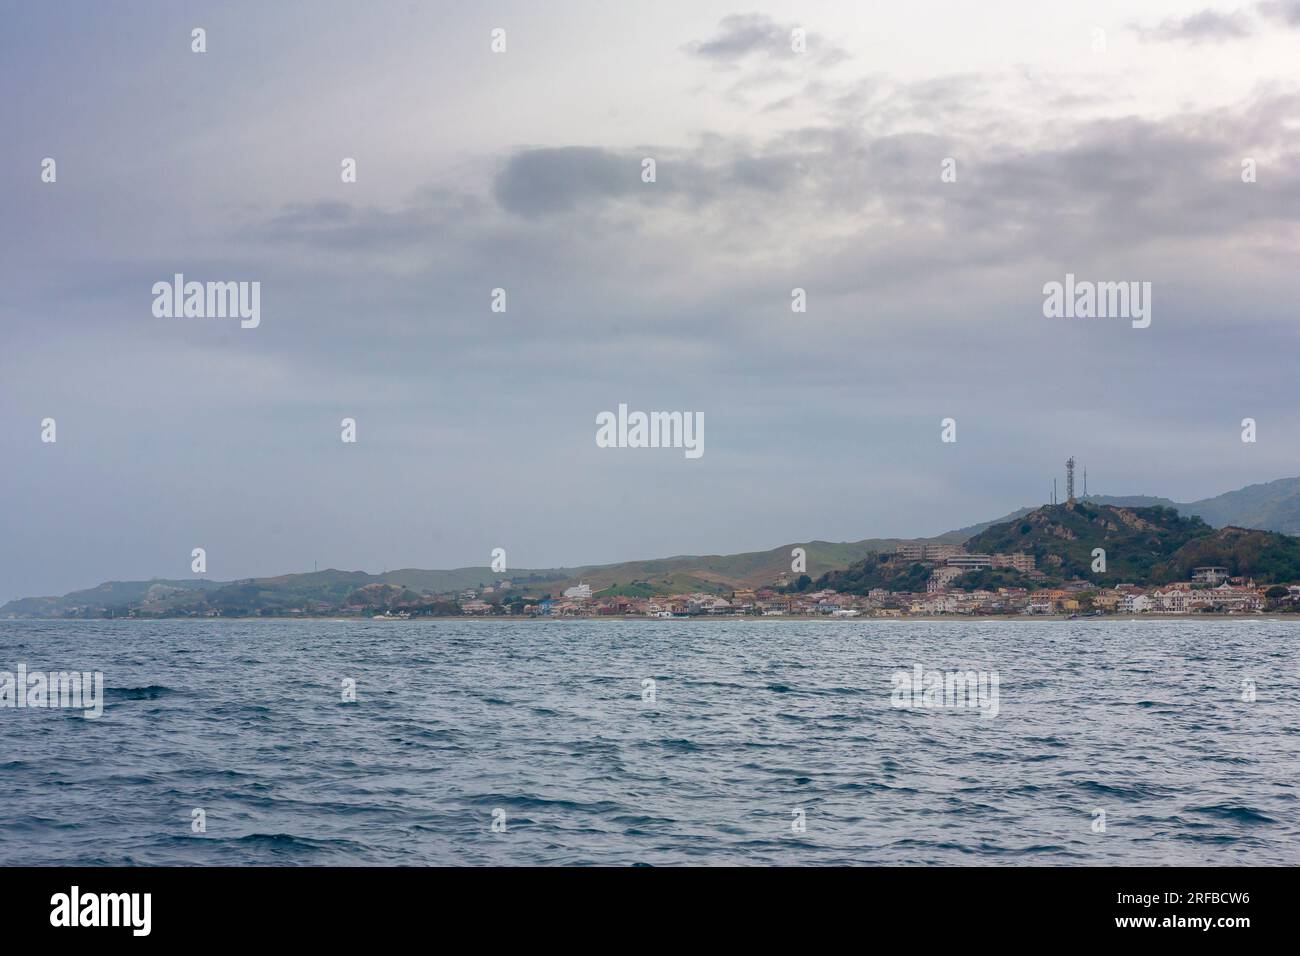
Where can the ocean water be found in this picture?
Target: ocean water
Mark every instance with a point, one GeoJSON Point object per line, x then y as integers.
{"type": "Point", "coordinates": [751, 721]}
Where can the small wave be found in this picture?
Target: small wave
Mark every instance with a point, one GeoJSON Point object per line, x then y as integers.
{"type": "Point", "coordinates": [678, 745]}
{"type": "Point", "coordinates": [1237, 814]}
{"type": "Point", "coordinates": [1127, 793]}
{"type": "Point", "coordinates": [287, 841]}
{"type": "Point", "coordinates": [149, 692]}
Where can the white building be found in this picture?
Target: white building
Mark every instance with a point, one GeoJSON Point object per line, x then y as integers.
{"type": "Point", "coordinates": [1226, 598]}
{"type": "Point", "coordinates": [941, 578]}
{"type": "Point", "coordinates": [579, 592]}
{"type": "Point", "coordinates": [1134, 604]}
{"type": "Point", "coordinates": [1172, 601]}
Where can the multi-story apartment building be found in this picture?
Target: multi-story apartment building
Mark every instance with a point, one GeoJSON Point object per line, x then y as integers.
{"type": "Point", "coordinates": [935, 553]}
{"type": "Point", "coordinates": [911, 551]}
{"type": "Point", "coordinates": [1225, 597]}
{"type": "Point", "coordinates": [1018, 561]}
{"type": "Point", "coordinates": [941, 578]}
{"type": "Point", "coordinates": [1171, 600]}
{"type": "Point", "coordinates": [1134, 602]}
{"type": "Point", "coordinates": [942, 552]}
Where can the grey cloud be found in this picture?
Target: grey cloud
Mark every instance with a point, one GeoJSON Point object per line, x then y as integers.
{"type": "Point", "coordinates": [1205, 26]}
{"type": "Point", "coordinates": [742, 35]}
{"type": "Point", "coordinates": [866, 205]}
{"type": "Point", "coordinates": [1285, 11]}
{"type": "Point", "coordinates": [1213, 26]}
{"type": "Point", "coordinates": [539, 182]}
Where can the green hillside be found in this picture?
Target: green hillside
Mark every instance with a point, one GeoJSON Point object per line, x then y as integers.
{"type": "Point", "coordinates": [110, 594]}
{"type": "Point", "coordinates": [1062, 538]}
{"type": "Point", "coordinates": [1266, 556]}
{"type": "Point", "coordinates": [1271, 506]}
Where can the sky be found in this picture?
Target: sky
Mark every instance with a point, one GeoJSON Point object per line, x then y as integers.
{"type": "Point", "coordinates": [1102, 139]}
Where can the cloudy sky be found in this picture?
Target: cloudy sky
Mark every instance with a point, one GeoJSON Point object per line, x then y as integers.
{"type": "Point", "coordinates": [522, 170]}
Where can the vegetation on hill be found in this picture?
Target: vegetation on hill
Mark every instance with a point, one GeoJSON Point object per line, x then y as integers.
{"type": "Point", "coordinates": [1266, 556]}
{"type": "Point", "coordinates": [1270, 506]}
{"type": "Point", "coordinates": [876, 571]}
{"type": "Point", "coordinates": [1063, 537]}
{"type": "Point", "coordinates": [990, 579]}
{"type": "Point", "coordinates": [1144, 546]}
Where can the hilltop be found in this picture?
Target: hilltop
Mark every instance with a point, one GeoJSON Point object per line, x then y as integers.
{"type": "Point", "coordinates": [1143, 546]}
{"type": "Point", "coordinates": [1062, 538]}
{"type": "Point", "coordinates": [1270, 506]}
{"type": "Point", "coordinates": [1148, 545]}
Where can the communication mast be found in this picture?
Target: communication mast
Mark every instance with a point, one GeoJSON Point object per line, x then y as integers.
{"type": "Point", "coordinates": [1069, 481]}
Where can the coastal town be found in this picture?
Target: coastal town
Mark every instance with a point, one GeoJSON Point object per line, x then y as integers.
{"type": "Point", "coordinates": [1080, 557]}
{"type": "Point", "coordinates": [1211, 590]}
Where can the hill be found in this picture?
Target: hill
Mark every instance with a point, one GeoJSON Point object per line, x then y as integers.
{"type": "Point", "coordinates": [1063, 537]}
{"type": "Point", "coordinates": [321, 591]}
{"type": "Point", "coordinates": [1271, 506]}
{"type": "Point", "coordinates": [1147, 545]}
{"type": "Point", "coordinates": [1143, 545]}
{"type": "Point", "coordinates": [1266, 556]}
{"type": "Point", "coordinates": [110, 594]}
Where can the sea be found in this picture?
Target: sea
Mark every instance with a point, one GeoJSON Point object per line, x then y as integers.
{"type": "Point", "coordinates": [657, 742]}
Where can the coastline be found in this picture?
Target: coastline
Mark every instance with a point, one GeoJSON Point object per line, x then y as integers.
{"type": "Point", "coordinates": [720, 618]}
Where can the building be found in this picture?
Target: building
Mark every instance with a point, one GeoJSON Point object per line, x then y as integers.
{"type": "Point", "coordinates": [970, 562]}
{"type": "Point", "coordinates": [579, 592]}
{"type": "Point", "coordinates": [1134, 602]}
{"type": "Point", "coordinates": [934, 553]}
{"type": "Point", "coordinates": [1023, 563]}
{"type": "Point", "coordinates": [1226, 598]}
{"type": "Point", "coordinates": [941, 578]}
{"type": "Point", "coordinates": [1209, 575]}
{"type": "Point", "coordinates": [943, 552]}
{"type": "Point", "coordinates": [912, 551]}
{"type": "Point", "coordinates": [1171, 601]}
{"type": "Point", "coordinates": [1107, 601]}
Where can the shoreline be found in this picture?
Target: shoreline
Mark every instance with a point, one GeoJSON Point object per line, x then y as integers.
{"type": "Point", "coordinates": [716, 618]}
